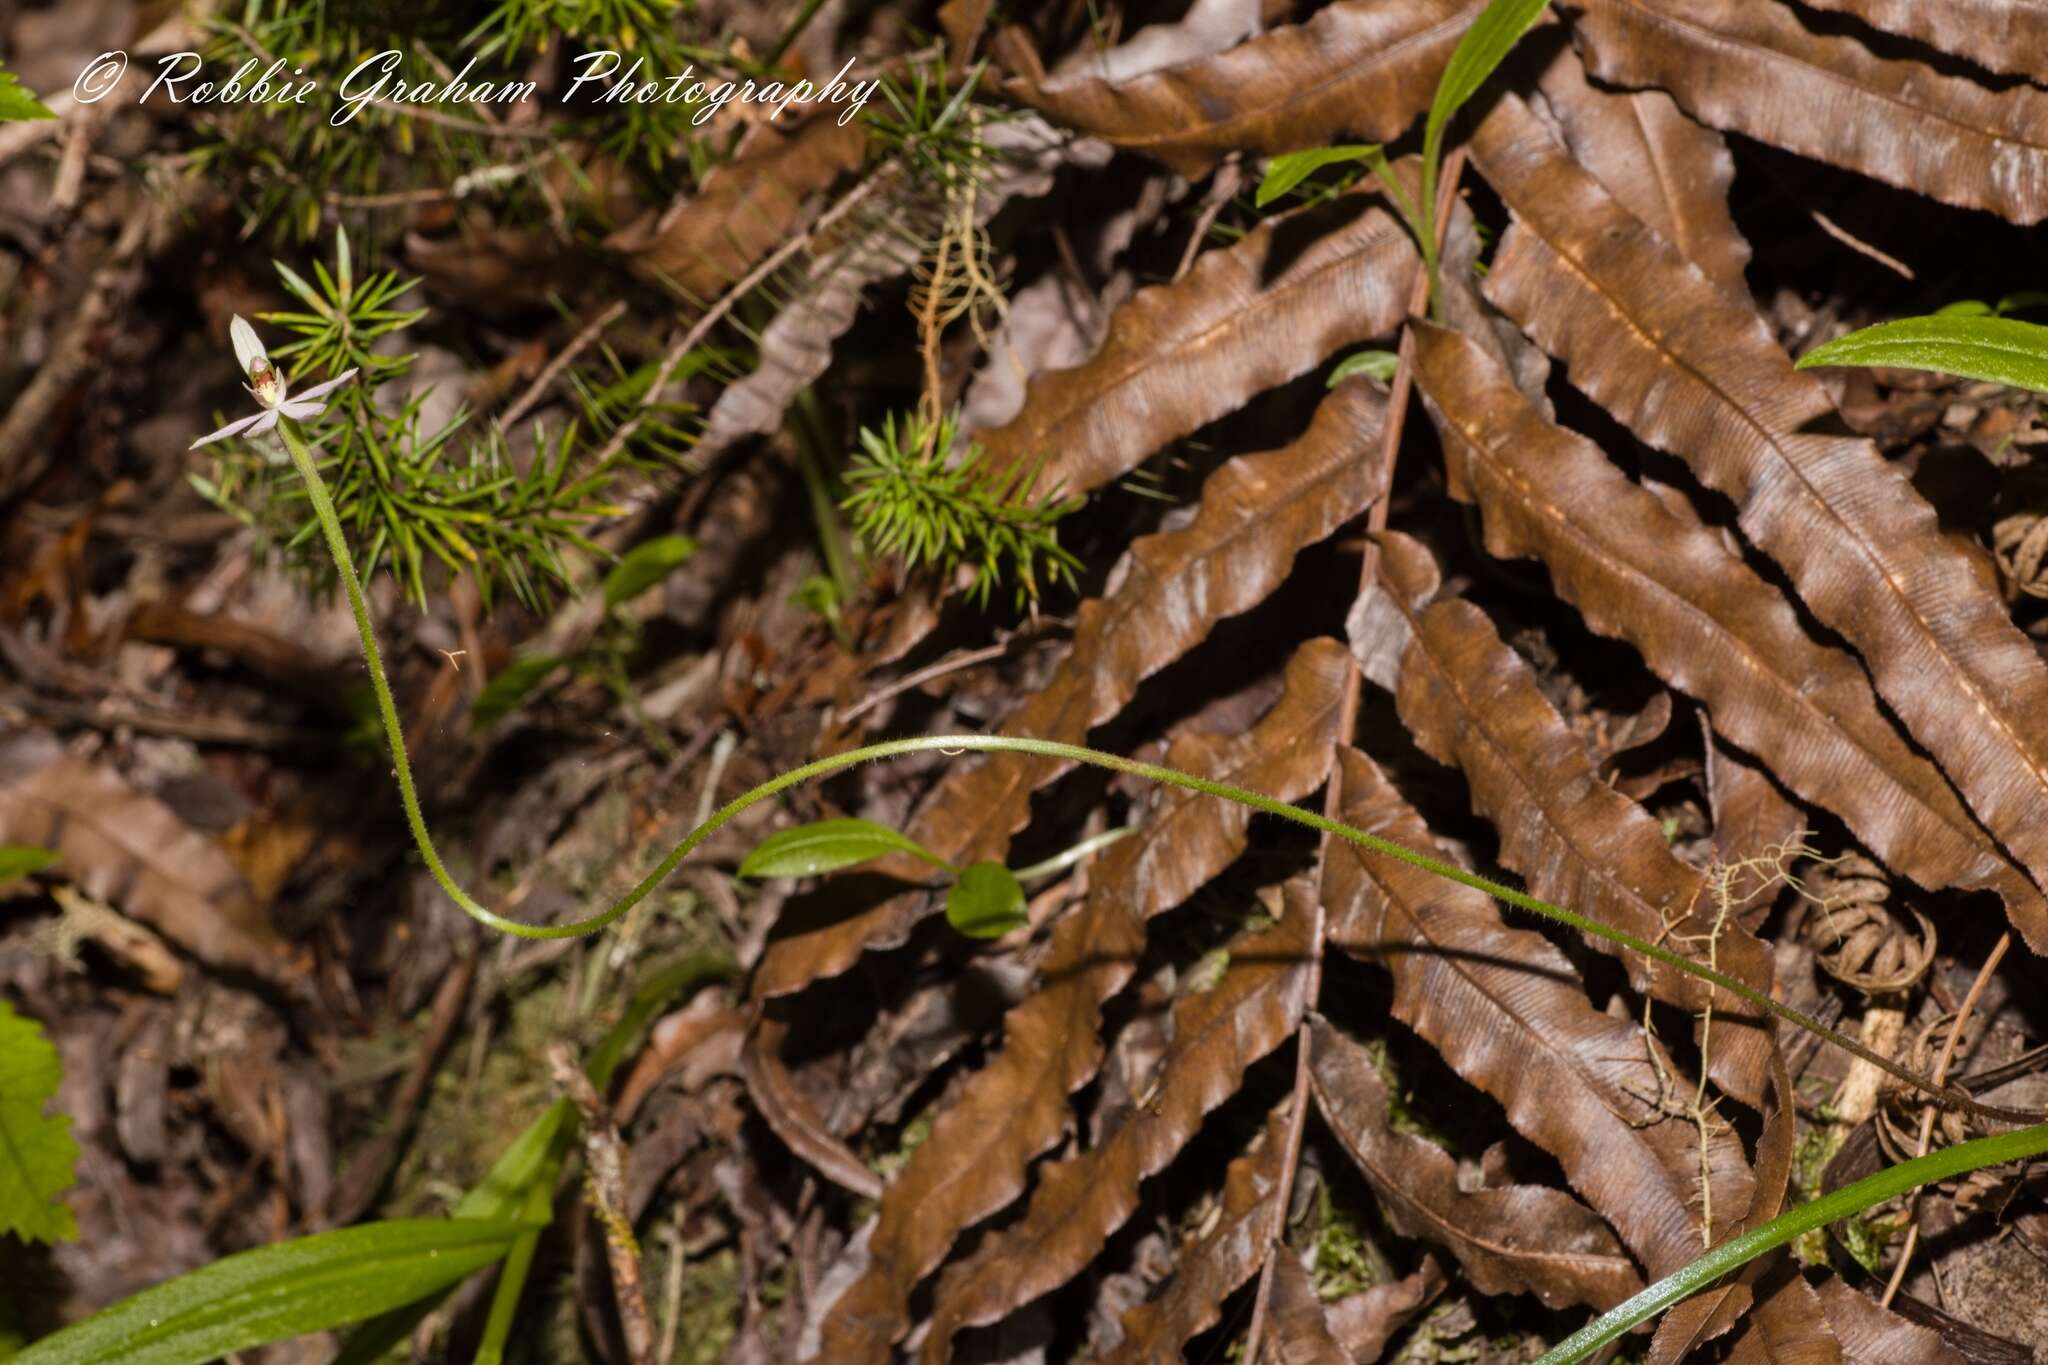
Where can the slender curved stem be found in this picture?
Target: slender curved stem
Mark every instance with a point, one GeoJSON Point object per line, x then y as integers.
{"type": "Point", "coordinates": [387, 708]}
{"type": "Point", "coordinates": [1737, 1251]}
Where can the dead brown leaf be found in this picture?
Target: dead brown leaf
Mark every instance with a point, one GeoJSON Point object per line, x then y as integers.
{"type": "Point", "coordinates": [2000, 35]}
{"type": "Point", "coordinates": [1472, 702]}
{"type": "Point", "coordinates": [707, 241]}
{"type": "Point", "coordinates": [1693, 372]}
{"type": "Point", "coordinates": [1217, 1034]}
{"type": "Point", "coordinates": [1179, 356]}
{"type": "Point", "coordinates": [1752, 68]}
{"type": "Point", "coordinates": [1512, 1240]}
{"type": "Point", "coordinates": [1300, 1332]}
{"type": "Point", "coordinates": [1871, 1335]}
{"type": "Point", "coordinates": [1225, 1251]}
{"type": "Point", "coordinates": [1646, 570]}
{"type": "Point", "coordinates": [1666, 169]}
{"type": "Point", "coordinates": [1508, 1013]}
{"type": "Point", "coordinates": [1365, 1322]}
{"type": "Point", "coordinates": [1361, 67]}
{"type": "Point", "coordinates": [131, 851]}
{"type": "Point", "coordinates": [1016, 1107]}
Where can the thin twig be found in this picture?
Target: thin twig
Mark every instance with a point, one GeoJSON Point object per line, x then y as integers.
{"type": "Point", "coordinates": [1390, 446]}
{"type": "Point", "coordinates": [952, 663]}
{"type": "Point", "coordinates": [1941, 1062]}
{"type": "Point", "coordinates": [561, 362]}
{"type": "Point", "coordinates": [604, 1155]}
{"type": "Point", "coordinates": [1854, 243]}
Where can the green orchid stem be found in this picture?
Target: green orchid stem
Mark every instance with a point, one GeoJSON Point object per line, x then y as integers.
{"type": "Point", "coordinates": [1886, 1184]}
{"type": "Point", "coordinates": [387, 708]}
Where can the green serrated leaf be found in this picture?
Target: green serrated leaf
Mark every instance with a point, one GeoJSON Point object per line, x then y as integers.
{"type": "Point", "coordinates": [18, 860]}
{"type": "Point", "coordinates": [503, 693]}
{"type": "Point", "coordinates": [644, 566]}
{"type": "Point", "coordinates": [1283, 173]}
{"type": "Point", "coordinates": [274, 1293]}
{"type": "Point", "coordinates": [826, 845]}
{"type": "Point", "coordinates": [1379, 365]}
{"type": "Point", "coordinates": [2002, 350]}
{"type": "Point", "coordinates": [18, 103]}
{"type": "Point", "coordinates": [38, 1156]}
{"type": "Point", "coordinates": [986, 902]}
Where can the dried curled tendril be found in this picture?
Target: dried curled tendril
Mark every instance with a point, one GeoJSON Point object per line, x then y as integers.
{"type": "Point", "coordinates": [1860, 941]}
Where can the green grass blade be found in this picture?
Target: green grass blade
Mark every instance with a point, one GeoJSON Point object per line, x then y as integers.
{"type": "Point", "coordinates": [1829, 1208]}
{"type": "Point", "coordinates": [277, 1292]}
{"type": "Point", "coordinates": [2002, 350]}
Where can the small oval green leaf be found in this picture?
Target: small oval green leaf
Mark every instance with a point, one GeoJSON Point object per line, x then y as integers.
{"type": "Point", "coordinates": [827, 845]}
{"type": "Point", "coordinates": [1283, 173]}
{"type": "Point", "coordinates": [2002, 350]}
{"type": "Point", "coordinates": [986, 902]}
{"type": "Point", "coordinates": [278, 1292]}
{"type": "Point", "coordinates": [1378, 364]}
{"type": "Point", "coordinates": [645, 565]}
{"type": "Point", "coordinates": [18, 860]}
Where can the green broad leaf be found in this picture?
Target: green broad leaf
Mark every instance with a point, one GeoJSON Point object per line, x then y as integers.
{"type": "Point", "coordinates": [274, 1293]}
{"type": "Point", "coordinates": [1283, 173]}
{"type": "Point", "coordinates": [2002, 350]}
{"type": "Point", "coordinates": [1485, 45]}
{"type": "Point", "coordinates": [1379, 365]}
{"type": "Point", "coordinates": [38, 1156]}
{"type": "Point", "coordinates": [18, 103]}
{"type": "Point", "coordinates": [511, 686]}
{"type": "Point", "coordinates": [827, 845]}
{"type": "Point", "coordinates": [986, 902]}
{"type": "Point", "coordinates": [18, 860]}
{"type": "Point", "coordinates": [1965, 308]}
{"type": "Point", "coordinates": [645, 565]}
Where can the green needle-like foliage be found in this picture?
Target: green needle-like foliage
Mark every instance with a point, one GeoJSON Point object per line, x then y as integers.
{"type": "Point", "coordinates": [913, 496]}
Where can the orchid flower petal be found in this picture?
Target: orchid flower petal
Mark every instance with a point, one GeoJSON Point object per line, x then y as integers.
{"type": "Point", "coordinates": [300, 409]}
{"type": "Point", "coordinates": [265, 420]}
{"type": "Point", "coordinates": [248, 348]}
{"type": "Point", "coordinates": [318, 389]}
{"type": "Point", "coordinates": [229, 430]}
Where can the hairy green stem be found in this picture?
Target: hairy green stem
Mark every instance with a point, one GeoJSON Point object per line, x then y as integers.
{"type": "Point", "coordinates": [1737, 1251]}
{"type": "Point", "coordinates": [330, 526]}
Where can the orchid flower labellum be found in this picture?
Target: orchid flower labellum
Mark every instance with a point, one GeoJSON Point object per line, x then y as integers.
{"type": "Point", "coordinates": [266, 385]}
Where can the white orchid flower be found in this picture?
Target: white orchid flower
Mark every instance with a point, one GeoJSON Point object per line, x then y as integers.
{"type": "Point", "coordinates": [267, 387]}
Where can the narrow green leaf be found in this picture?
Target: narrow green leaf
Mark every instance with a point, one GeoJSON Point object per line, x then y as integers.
{"type": "Point", "coordinates": [511, 686]}
{"type": "Point", "coordinates": [1379, 365]}
{"type": "Point", "coordinates": [645, 565]}
{"type": "Point", "coordinates": [1485, 45]}
{"type": "Point", "coordinates": [2002, 350]}
{"type": "Point", "coordinates": [986, 902]}
{"type": "Point", "coordinates": [18, 103]}
{"type": "Point", "coordinates": [38, 1156]}
{"type": "Point", "coordinates": [1283, 173]}
{"type": "Point", "coordinates": [1829, 1208]}
{"type": "Point", "coordinates": [826, 845]}
{"type": "Point", "coordinates": [18, 860]}
{"type": "Point", "coordinates": [278, 1292]}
